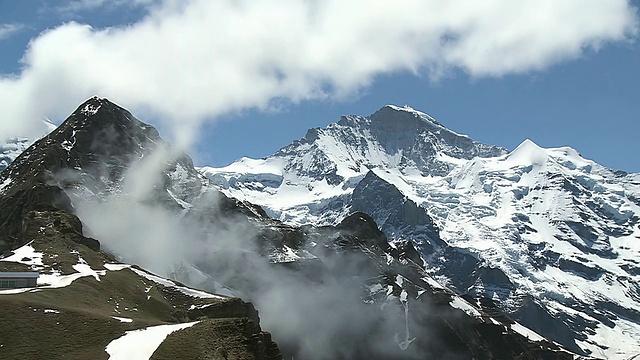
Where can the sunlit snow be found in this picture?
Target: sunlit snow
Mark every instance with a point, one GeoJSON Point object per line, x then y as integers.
{"type": "Point", "coordinates": [140, 344]}
{"type": "Point", "coordinates": [123, 319]}
{"type": "Point", "coordinates": [27, 255]}
{"type": "Point", "coordinates": [461, 304]}
{"type": "Point", "coordinates": [498, 208]}
{"type": "Point", "coordinates": [187, 291]}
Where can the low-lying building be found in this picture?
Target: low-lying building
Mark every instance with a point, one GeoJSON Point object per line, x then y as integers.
{"type": "Point", "coordinates": [18, 279]}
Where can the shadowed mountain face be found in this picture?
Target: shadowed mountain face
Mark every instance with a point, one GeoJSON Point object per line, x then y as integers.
{"type": "Point", "coordinates": [324, 292]}
{"type": "Point", "coordinates": [549, 237]}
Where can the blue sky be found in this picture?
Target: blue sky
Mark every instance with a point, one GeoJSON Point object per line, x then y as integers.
{"type": "Point", "coordinates": [553, 82]}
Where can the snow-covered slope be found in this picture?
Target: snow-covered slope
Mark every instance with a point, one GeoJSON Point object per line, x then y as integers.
{"type": "Point", "coordinates": [311, 179]}
{"type": "Point", "coordinates": [551, 237]}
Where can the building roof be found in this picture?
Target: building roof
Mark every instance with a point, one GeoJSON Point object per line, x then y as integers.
{"type": "Point", "coordinates": [14, 275]}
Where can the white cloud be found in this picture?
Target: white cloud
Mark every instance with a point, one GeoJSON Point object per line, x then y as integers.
{"type": "Point", "coordinates": [193, 60]}
{"type": "Point", "coordinates": [7, 30]}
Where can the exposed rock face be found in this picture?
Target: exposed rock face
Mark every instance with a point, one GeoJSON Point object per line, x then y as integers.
{"type": "Point", "coordinates": [421, 140]}
{"type": "Point", "coordinates": [30, 179]}
{"type": "Point", "coordinates": [394, 211]}
{"type": "Point", "coordinates": [538, 231]}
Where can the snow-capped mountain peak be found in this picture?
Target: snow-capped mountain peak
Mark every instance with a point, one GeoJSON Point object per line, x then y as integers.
{"type": "Point", "coordinates": [327, 163]}
{"type": "Point", "coordinates": [416, 117]}
{"type": "Point", "coordinates": [548, 235]}
{"type": "Point", "coordinates": [528, 153]}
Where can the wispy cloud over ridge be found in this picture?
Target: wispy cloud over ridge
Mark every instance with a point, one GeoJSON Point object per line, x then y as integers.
{"type": "Point", "coordinates": [73, 7]}
{"type": "Point", "coordinates": [8, 30]}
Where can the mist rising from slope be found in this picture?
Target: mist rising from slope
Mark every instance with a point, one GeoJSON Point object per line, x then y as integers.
{"type": "Point", "coordinates": [312, 314]}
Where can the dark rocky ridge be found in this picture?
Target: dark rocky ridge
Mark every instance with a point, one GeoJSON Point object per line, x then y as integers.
{"type": "Point", "coordinates": [109, 143]}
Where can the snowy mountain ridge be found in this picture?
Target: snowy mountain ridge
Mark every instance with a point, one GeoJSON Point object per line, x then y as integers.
{"type": "Point", "coordinates": [549, 236]}
{"type": "Point", "coordinates": [326, 164]}
{"type": "Point", "coordinates": [11, 147]}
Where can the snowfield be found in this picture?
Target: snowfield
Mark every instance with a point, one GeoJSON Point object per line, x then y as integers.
{"type": "Point", "coordinates": [140, 344]}
{"type": "Point", "coordinates": [27, 255]}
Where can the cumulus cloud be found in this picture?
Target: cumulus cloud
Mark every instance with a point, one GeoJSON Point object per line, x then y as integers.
{"type": "Point", "coordinates": [189, 61]}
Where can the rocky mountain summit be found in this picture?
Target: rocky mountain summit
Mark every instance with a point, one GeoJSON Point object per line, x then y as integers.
{"type": "Point", "coordinates": [87, 304]}
{"type": "Point", "coordinates": [104, 190]}
{"type": "Point", "coordinates": [551, 238]}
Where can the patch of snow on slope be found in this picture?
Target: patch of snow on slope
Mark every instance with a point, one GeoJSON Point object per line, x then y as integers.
{"type": "Point", "coordinates": [140, 344]}
{"type": "Point", "coordinates": [182, 203]}
{"type": "Point", "coordinates": [4, 184]}
{"type": "Point", "coordinates": [14, 291]}
{"type": "Point", "coordinates": [90, 109]}
{"type": "Point", "coordinates": [123, 319]}
{"type": "Point", "coordinates": [287, 254]}
{"type": "Point", "coordinates": [57, 280]}
{"type": "Point", "coordinates": [29, 256]}
{"type": "Point", "coordinates": [182, 289]}
{"type": "Point", "coordinates": [461, 304]}
{"type": "Point", "coordinates": [26, 255]}
{"type": "Point", "coordinates": [526, 332]}
{"type": "Point", "coordinates": [617, 342]}
{"type": "Point", "coordinates": [86, 270]}
{"type": "Point", "coordinates": [116, 267]}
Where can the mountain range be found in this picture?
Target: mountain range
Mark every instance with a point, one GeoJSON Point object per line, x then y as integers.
{"type": "Point", "coordinates": [387, 237]}
{"type": "Point", "coordinates": [551, 238]}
